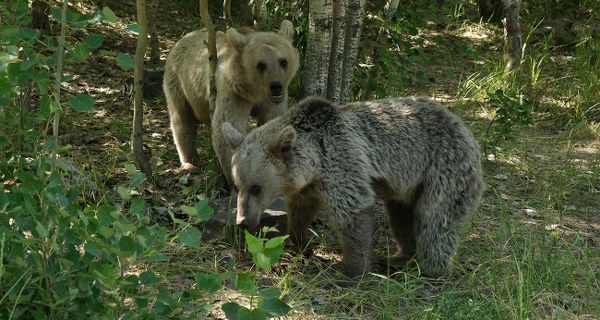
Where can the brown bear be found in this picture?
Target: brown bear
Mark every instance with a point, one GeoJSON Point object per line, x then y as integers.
{"type": "Point", "coordinates": [253, 74]}
{"type": "Point", "coordinates": [412, 153]}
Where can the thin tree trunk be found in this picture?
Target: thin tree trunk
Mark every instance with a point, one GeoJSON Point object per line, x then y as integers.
{"type": "Point", "coordinates": [39, 15]}
{"type": "Point", "coordinates": [318, 48]}
{"type": "Point", "coordinates": [227, 13]}
{"type": "Point", "coordinates": [58, 78]}
{"type": "Point", "coordinates": [512, 34]}
{"type": "Point", "coordinates": [355, 12]}
{"type": "Point", "coordinates": [212, 51]}
{"type": "Point", "coordinates": [154, 43]}
{"type": "Point", "coordinates": [336, 59]}
{"type": "Point", "coordinates": [138, 103]}
{"type": "Point", "coordinates": [390, 8]}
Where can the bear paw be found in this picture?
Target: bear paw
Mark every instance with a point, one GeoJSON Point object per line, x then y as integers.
{"type": "Point", "coordinates": [188, 168]}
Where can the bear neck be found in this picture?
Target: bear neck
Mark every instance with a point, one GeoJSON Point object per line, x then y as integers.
{"type": "Point", "coordinates": [233, 81]}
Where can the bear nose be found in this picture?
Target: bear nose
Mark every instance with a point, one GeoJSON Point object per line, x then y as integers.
{"type": "Point", "coordinates": [276, 88]}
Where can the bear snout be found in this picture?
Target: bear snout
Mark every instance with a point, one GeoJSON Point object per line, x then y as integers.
{"type": "Point", "coordinates": [276, 89]}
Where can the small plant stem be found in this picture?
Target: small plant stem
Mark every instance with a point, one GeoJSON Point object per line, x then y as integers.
{"type": "Point", "coordinates": [58, 77]}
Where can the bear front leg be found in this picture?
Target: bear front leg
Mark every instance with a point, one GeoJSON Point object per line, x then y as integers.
{"type": "Point", "coordinates": [268, 110]}
{"type": "Point", "coordinates": [301, 210]}
{"type": "Point", "coordinates": [184, 126]}
{"type": "Point", "coordinates": [355, 234]}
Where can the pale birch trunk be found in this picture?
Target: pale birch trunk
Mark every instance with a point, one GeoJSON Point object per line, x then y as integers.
{"type": "Point", "coordinates": [227, 13]}
{"type": "Point", "coordinates": [336, 59]}
{"type": "Point", "coordinates": [390, 8]}
{"type": "Point", "coordinates": [318, 49]}
{"type": "Point", "coordinates": [512, 34]}
{"type": "Point", "coordinates": [355, 12]}
{"type": "Point", "coordinates": [138, 103]}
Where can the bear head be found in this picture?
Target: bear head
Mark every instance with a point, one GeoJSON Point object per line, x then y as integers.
{"type": "Point", "coordinates": [267, 62]}
{"type": "Point", "coordinates": [260, 169]}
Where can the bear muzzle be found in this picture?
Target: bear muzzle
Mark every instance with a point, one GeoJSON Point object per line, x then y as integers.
{"type": "Point", "coordinates": [276, 89]}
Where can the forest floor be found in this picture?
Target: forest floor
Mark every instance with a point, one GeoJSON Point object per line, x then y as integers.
{"type": "Point", "coordinates": [532, 250]}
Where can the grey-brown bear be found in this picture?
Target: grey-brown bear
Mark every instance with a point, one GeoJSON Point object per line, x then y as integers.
{"type": "Point", "coordinates": [253, 74]}
{"type": "Point", "coordinates": [412, 153]}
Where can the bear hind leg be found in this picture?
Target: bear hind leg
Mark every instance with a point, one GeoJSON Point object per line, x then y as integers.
{"type": "Point", "coordinates": [437, 233]}
{"type": "Point", "coordinates": [184, 126]}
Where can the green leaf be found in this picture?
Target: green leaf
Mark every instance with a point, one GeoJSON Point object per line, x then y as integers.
{"type": "Point", "coordinates": [109, 14]}
{"type": "Point", "coordinates": [255, 245]}
{"type": "Point", "coordinates": [190, 211]}
{"type": "Point", "coordinates": [126, 245]}
{"type": "Point", "coordinates": [270, 293]}
{"type": "Point", "coordinates": [262, 261]}
{"type": "Point", "coordinates": [82, 102]}
{"type": "Point", "coordinates": [94, 40]}
{"type": "Point", "coordinates": [210, 283]}
{"type": "Point", "coordinates": [231, 310]}
{"type": "Point", "coordinates": [275, 242]}
{"type": "Point", "coordinates": [80, 52]}
{"type": "Point", "coordinates": [124, 61]}
{"type": "Point", "coordinates": [150, 278]}
{"type": "Point", "coordinates": [134, 28]}
{"type": "Point", "coordinates": [190, 237]}
{"type": "Point", "coordinates": [274, 307]}
{"type": "Point", "coordinates": [203, 210]}
{"type": "Point", "coordinates": [124, 193]}
{"type": "Point", "coordinates": [256, 314]}
{"type": "Point", "coordinates": [28, 33]}
{"type": "Point", "coordinates": [245, 283]}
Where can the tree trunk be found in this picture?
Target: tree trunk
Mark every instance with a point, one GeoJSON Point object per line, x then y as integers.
{"type": "Point", "coordinates": [154, 43]}
{"type": "Point", "coordinates": [212, 52]}
{"type": "Point", "coordinates": [227, 13]}
{"type": "Point", "coordinates": [512, 34]}
{"type": "Point", "coordinates": [491, 10]}
{"type": "Point", "coordinates": [336, 59]}
{"type": "Point", "coordinates": [138, 103]}
{"type": "Point", "coordinates": [318, 48]}
{"type": "Point", "coordinates": [355, 12]}
{"type": "Point", "coordinates": [39, 15]}
{"type": "Point", "coordinates": [390, 8]}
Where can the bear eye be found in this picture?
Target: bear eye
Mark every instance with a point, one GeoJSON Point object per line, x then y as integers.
{"type": "Point", "coordinates": [255, 190]}
{"type": "Point", "coordinates": [261, 67]}
{"type": "Point", "coordinates": [283, 63]}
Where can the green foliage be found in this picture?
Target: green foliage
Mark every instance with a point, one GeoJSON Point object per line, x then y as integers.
{"type": "Point", "coordinates": [511, 109]}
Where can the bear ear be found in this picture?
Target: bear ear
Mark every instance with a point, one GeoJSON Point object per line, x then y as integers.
{"type": "Point", "coordinates": [233, 137]}
{"type": "Point", "coordinates": [287, 29]}
{"type": "Point", "coordinates": [284, 142]}
{"type": "Point", "coordinates": [235, 39]}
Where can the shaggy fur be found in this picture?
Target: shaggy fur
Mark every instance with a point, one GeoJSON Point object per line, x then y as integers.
{"type": "Point", "coordinates": [412, 153]}
{"type": "Point", "coordinates": [253, 74]}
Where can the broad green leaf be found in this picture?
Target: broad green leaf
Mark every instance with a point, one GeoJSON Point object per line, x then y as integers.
{"type": "Point", "coordinates": [126, 245]}
{"type": "Point", "coordinates": [94, 40]}
{"type": "Point", "coordinates": [270, 293]}
{"type": "Point", "coordinates": [256, 314]}
{"type": "Point", "coordinates": [134, 28]}
{"type": "Point", "coordinates": [245, 283]}
{"type": "Point", "coordinates": [82, 102]}
{"type": "Point", "coordinates": [231, 310]}
{"type": "Point", "coordinates": [28, 33]}
{"type": "Point", "coordinates": [273, 254]}
{"type": "Point", "coordinates": [275, 242]}
{"type": "Point", "coordinates": [109, 14]}
{"type": "Point", "coordinates": [137, 179]}
{"type": "Point", "coordinates": [262, 261]}
{"type": "Point", "coordinates": [190, 211]}
{"type": "Point", "coordinates": [124, 193]}
{"type": "Point", "coordinates": [190, 237]}
{"type": "Point", "coordinates": [274, 307]}
{"type": "Point", "coordinates": [210, 283]}
{"type": "Point", "coordinates": [255, 245]}
{"type": "Point", "coordinates": [124, 61]}
{"type": "Point", "coordinates": [203, 210]}
{"type": "Point", "coordinates": [150, 278]}
{"type": "Point", "coordinates": [81, 52]}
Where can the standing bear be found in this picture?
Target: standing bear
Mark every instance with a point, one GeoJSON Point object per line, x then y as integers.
{"type": "Point", "coordinates": [253, 74]}
{"type": "Point", "coordinates": [412, 153]}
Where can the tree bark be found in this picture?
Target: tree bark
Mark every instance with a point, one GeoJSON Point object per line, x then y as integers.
{"type": "Point", "coordinates": [355, 12]}
{"type": "Point", "coordinates": [318, 48]}
{"type": "Point", "coordinates": [336, 59]}
{"type": "Point", "coordinates": [138, 103]}
{"type": "Point", "coordinates": [227, 13]}
{"type": "Point", "coordinates": [390, 8]}
{"type": "Point", "coordinates": [212, 52]}
{"type": "Point", "coordinates": [154, 43]}
{"type": "Point", "coordinates": [512, 34]}
{"type": "Point", "coordinates": [39, 15]}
